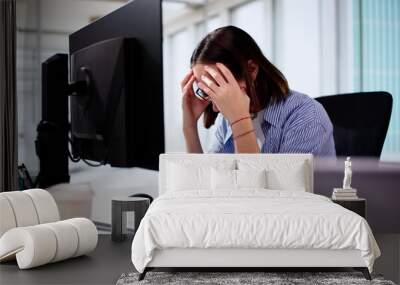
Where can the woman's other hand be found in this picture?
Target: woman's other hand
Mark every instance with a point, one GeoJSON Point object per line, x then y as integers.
{"type": "Point", "coordinates": [192, 106]}
{"type": "Point", "coordinates": [225, 92]}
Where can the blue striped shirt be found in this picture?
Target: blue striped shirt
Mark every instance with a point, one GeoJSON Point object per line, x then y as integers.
{"type": "Point", "coordinates": [298, 124]}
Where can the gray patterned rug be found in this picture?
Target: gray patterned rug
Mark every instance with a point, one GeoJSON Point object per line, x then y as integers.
{"type": "Point", "coordinates": [243, 278]}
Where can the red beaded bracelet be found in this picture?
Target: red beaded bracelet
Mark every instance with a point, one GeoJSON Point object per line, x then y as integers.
{"type": "Point", "coordinates": [241, 119]}
{"type": "Point", "coordinates": [241, 135]}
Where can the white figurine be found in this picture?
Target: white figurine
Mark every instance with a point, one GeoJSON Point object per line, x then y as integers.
{"type": "Point", "coordinates": [347, 174]}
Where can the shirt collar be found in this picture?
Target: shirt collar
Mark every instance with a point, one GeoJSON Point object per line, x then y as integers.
{"type": "Point", "coordinates": [272, 114]}
{"type": "Point", "coordinates": [228, 133]}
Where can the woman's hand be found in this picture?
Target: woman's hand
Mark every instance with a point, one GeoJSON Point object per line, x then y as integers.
{"type": "Point", "coordinates": [225, 92]}
{"type": "Point", "coordinates": [192, 106]}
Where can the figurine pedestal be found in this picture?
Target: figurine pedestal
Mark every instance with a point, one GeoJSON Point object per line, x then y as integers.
{"type": "Point", "coordinates": [344, 194]}
{"type": "Point", "coordinates": [344, 190]}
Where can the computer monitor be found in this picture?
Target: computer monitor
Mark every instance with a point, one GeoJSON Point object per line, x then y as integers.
{"type": "Point", "coordinates": [51, 143]}
{"type": "Point", "coordinates": [117, 114]}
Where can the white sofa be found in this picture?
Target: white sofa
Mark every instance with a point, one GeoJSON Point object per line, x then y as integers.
{"type": "Point", "coordinates": [31, 231]}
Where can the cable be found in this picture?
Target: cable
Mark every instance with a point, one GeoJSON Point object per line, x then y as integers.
{"type": "Point", "coordinates": [91, 164]}
{"type": "Point", "coordinates": [73, 159]}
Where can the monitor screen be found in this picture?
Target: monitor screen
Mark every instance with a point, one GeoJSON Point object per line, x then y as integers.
{"type": "Point", "coordinates": [118, 118]}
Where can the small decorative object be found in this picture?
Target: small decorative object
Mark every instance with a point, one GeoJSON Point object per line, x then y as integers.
{"type": "Point", "coordinates": [347, 174]}
{"type": "Point", "coordinates": [347, 192]}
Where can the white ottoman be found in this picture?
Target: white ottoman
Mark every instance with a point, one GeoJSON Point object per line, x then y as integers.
{"type": "Point", "coordinates": [31, 233]}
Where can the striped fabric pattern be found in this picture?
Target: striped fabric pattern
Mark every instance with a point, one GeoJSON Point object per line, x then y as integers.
{"type": "Point", "coordinates": [299, 124]}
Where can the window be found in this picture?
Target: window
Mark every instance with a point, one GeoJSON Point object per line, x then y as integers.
{"type": "Point", "coordinates": [178, 49]}
{"type": "Point", "coordinates": [204, 27]}
{"type": "Point", "coordinates": [176, 66]}
{"type": "Point", "coordinates": [377, 59]}
{"type": "Point", "coordinates": [255, 18]}
{"type": "Point", "coordinates": [314, 43]}
{"type": "Point", "coordinates": [298, 44]}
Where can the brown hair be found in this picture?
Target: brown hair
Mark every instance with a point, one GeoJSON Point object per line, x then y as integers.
{"type": "Point", "coordinates": [234, 48]}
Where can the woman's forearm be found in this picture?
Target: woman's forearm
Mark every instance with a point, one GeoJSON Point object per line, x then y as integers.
{"type": "Point", "coordinates": [244, 137]}
{"type": "Point", "coordinates": [192, 139]}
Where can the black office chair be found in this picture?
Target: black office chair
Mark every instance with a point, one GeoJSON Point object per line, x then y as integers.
{"type": "Point", "coordinates": [360, 121]}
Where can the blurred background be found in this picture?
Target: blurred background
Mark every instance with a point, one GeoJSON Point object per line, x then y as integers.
{"type": "Point", "coordinates": [323, 48]}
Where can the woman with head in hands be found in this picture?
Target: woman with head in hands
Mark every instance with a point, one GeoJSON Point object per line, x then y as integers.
{"type": "Point", "coordinates": [234, 85]}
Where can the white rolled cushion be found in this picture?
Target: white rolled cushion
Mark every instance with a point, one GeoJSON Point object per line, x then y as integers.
{"type": "Point", "coordinates": [33, 246]}
{"type": "Point", "coordinates": [37, 245]}
{"type": "Point", "coordinates": [87, 235]}
{"type": "Point", "coordinates": [251, 178]}
{"type": "Point", "coordinates": [7, 218]}
{"type": "Point", "coordinates": [223, 179]}
{"type": "Point", "coordinates": [67, 240]}
{"type": "Point", "coordinates": [23, 208]}
{"type": "Point", "coordinates": [45, 205]}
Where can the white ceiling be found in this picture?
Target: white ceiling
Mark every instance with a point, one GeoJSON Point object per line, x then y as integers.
{"type": "Point", "coordinates": [171, 8]}
{"type": "Point", "coordinates": [175, 8]}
